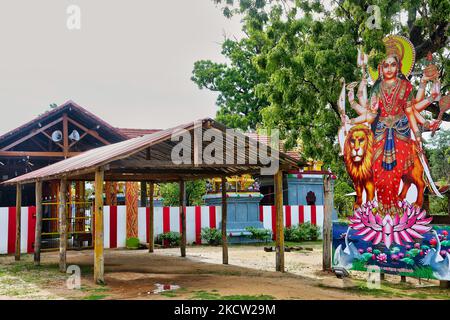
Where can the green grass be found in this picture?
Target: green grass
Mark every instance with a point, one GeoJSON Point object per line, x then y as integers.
{"type": "Point", "coordinates": [95, 297]}
{"type": "Point", "coordinates": [169, 294]}
{"type": "Point", "coordinates": [173, 293]}
{"type": "Point", "coordinates": [420, 272]}
{"type": "Point", "coordinates": [205, 295]}
{"type": "Point", "coordinates": [359, 265]}
{"type": "Point", "coordinates": [397, 290]}
{"type": "Point", "coordinates": [90, 289]}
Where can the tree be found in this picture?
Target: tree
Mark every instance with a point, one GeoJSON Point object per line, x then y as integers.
{"type": "Point", "coordinates": [300, 51]}
{"type": "Point", "coordinates": [438, 151]}
{"type": "Point", "coordinates": [239, 107]}
{"type": "Point", "coordinates": [342, 202]}
{"type": "Point", "coordinates": [194, 193]}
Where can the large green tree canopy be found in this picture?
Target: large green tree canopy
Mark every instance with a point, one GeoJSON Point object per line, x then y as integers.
{"type": "Point", "coordinates": [284, 73]}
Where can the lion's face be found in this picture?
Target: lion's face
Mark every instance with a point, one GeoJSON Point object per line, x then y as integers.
{"type": "Point", "coordinates": [358, 152]}
{"type": "Point", "coordinates": [358, 144]}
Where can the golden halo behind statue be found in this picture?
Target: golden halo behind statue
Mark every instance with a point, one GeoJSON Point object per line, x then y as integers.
{"type": "Point", "coordinates": [403, 49]}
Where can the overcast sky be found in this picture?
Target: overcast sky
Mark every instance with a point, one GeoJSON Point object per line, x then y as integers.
{"type": "Point", "coordinates": [130, 63]}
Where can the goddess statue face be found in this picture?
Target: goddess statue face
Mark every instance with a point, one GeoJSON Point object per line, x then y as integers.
{"type": "Point", "coordinates": [389, 67]}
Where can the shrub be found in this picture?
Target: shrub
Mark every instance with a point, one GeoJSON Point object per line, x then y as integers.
{"type": "Point", "coordinates": [259, 234]}
{"type": "Point", "coordinates": [172, 238]}
{"type": "Point", "coordinates": [132, 243]}
{"type": "Point", "coordinates": [212, 236]}
{"type": "Point", "coordinates": [302, 232]}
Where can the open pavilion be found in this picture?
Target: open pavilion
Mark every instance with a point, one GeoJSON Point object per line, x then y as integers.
{"type": "Point", "coordinates": [150, 158]}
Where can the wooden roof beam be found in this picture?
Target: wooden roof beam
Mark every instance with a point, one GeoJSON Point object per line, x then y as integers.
{"type": "Point", "coordinates": [32, 134]}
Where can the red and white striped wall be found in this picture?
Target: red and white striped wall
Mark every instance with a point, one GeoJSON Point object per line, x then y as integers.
{"type": "Point", "coordinates": [8, 230]}
{"type": "Point", "coordinates": [293, 215]}
{"type": "Point", "coordinates": [166, 219]}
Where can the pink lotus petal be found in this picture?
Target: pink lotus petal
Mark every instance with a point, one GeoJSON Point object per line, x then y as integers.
{"type": "Point", "coordinates": [397, 239]}
{"type": "Point", "coordinates": [370, 236]}
{"type": "Point", "coordinates": [378, 238]}
{"type": "Point", "coordinates": [422, 215]}
{"type": "Point", "coordinates": [421, 229]}
{"type": "Point", "coordinates": [404, 218]}
{"type": "Point", "coordinates": [358, 226]}
{"type": "Point", "coordinates": [405, 236]}
{"type": "Point", "coordinates": [414, 233]}
{"type": "Point", "coordinates": [372, 219]}
{"type": "Point", "coordinates": [387, 240]}
{"type": "Point", "coordinates": [396, 219]}
{"type": "Point", "coordinates": [425, 221]}
{"type": "Point", "coordinates": [411, 221]}
{"type": "Point", "coordinates": [363, 231]}
{"type": "Point", "coordinates": [378, 219]}
{"type": "Point", "coordinates": [387, 228]}
{"type": "Point", "coordinates": [407, 212]}
{"type": "Point", "coordinates": [400, 227]}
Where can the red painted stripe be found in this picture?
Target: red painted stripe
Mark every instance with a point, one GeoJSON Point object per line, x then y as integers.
{"type": "Point", "coordinates": [31, 229]}
{"type": "Point", "coordinates": [313, 215]}
{"type": "Point", "coordinates": [288, 216]}
{"type": "Point", "coordinates": [212, 217]}
{"type": "Point", "coordinates": [166, 223]}
{"type": "Point", "coordinates": [198, 225]}
{"type": "Point", "coordinates": [261, 213]}
{"type": "Point", "coordinates": [113, 226]}
{"type": "Point", "coordinates": [301, 214]}
{"type": "Point", "coordinates": [166, 219]}
{"type": "Point", "coordinates": [147, 222]}
{"type": "Point", "coordinates": [11, 230]}
{"type": "Point", "coordinates": [274, 223]}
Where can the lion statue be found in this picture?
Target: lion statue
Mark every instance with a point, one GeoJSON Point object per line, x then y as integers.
{"type": "Point", "coordinates": [358, 161]}
{"type": "Point", "coordinates": [358, 156]}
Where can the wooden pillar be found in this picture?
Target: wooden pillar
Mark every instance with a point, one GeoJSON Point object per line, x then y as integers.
{"type": "Point", "coordinates": [131, 201]}
{"type": "Point", "coordinates": [98, 242]}
{"type": "Point", "coordinates": [18, 218]}
{"type": "Point", "coordinates": [426, 201]}
{"type": "Point", "coordinates": [143, 193]}
{"type": "Point", "coordinates": [183, 218]}
{"type": "Point", "coordinates": [224, 221]}
{"type": "Point", "coordinates": [151, 220]}
{"type": "Point", "coordinates": [327, 223]}
{"type": "Point", "coordinates": [38, 232]}
{"type": "Point", "coordinates": [279, 221]}
{"type": "Point", "coordinates": [62, 225]}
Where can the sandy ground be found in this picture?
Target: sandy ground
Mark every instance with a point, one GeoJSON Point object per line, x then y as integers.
{"type": "Point", "coordinates": [134, 275]}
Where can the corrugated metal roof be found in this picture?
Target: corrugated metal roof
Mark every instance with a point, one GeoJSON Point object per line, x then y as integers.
{"type": "Point", "coordinates": [88, 161]}
{"type": "Point", "coordinates": [133, 133]}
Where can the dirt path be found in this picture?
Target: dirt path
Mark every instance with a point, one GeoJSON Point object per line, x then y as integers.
{"type": "Point", "coordinates": [134, 275]}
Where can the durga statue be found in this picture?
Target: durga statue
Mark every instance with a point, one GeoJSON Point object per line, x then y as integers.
{"type": "Point", "coordinates": [382, 146]}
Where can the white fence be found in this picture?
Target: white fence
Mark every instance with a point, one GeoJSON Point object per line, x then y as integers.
{"type": "Point", "coordinates": [165, 219]}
